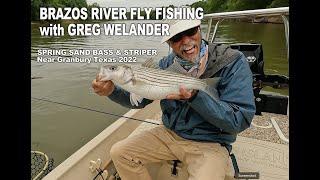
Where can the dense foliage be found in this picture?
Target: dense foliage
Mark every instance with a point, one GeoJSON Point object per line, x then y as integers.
{"type": "Point", "coordinates": [211, 6]}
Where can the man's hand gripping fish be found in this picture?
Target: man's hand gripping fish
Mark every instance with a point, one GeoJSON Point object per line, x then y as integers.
{"type": "Point", "coordinates": [154, 84]}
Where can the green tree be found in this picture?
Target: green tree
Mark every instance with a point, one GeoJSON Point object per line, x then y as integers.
{"type": "Point", "coordinates": [74, 3]}
{"type": "Point", "coordinates": [238, 5]}
{"type": "Point", "coordinates": [211, 6]}
{"type": "Point", "coordinates": [279, 3]}
{"type": "Point", "coordinates": [202, 4]}
{"type": "Point", "coordinates": [35, 5]}
{"type": "Point", "coordinates": [217, 5]}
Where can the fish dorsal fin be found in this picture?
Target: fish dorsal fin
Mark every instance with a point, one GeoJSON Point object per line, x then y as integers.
{"type": "Point", "coordinates": [149, 63]}
{"type": "Point", "coordinates": [177, 68]}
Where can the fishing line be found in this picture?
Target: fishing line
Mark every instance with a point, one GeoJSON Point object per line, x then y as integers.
{"type": "Point", "coordinates": [93, 110]}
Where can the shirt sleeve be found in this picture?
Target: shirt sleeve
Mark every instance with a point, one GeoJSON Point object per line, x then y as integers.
{"type": "Point", "coordinates": [235, 108]}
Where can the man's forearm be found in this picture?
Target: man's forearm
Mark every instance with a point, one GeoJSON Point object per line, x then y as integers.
{"type": "Point", "coordinates": [122, 97]}
{"type": "Point", "coordinates": [229, 117]}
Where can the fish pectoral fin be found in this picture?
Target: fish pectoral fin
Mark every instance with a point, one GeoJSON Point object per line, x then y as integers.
{"type": "Point", "coordinates": [135, 99]}
{"type": "Point", "coordinates": [132, 82]}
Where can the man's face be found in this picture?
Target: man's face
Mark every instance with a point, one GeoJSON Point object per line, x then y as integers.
{"type": "Point", "coordinates": [187, 44]}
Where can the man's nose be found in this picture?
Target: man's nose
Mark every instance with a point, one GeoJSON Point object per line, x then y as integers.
{"type": "Point", "coordinates": [185, 39]}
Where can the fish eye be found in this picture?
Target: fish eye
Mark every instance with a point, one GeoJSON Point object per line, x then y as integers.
{"type": "Point", "coordinates": [112, 68]}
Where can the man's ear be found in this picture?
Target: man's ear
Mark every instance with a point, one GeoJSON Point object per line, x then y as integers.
{"type": "Point", "coordinates": [170, 47]}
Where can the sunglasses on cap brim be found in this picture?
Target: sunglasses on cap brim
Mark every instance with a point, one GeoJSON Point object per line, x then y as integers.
{"type": "Point", "coordinates": [189, 32]}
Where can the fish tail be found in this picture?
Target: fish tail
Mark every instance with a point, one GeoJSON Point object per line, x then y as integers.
{"type": "Point", "coordinates": [211, 88]}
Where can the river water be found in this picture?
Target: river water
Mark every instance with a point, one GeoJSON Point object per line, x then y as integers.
{"type": "Point", "coordinates": [59, 130]}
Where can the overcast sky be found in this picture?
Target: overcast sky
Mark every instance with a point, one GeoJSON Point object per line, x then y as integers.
{"type": "Point", "coordinates": [140, 3]}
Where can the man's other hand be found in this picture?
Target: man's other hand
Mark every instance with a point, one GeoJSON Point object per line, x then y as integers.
{"type": "Point", "coordinates": [184, 94]}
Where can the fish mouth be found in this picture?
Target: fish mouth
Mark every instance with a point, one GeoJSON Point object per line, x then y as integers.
{"type": "Point", "coordinates": [104, 78]}
{"type": "Point", "coordinates": [126, 78]}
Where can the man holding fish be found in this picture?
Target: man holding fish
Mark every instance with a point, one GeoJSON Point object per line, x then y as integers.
{"type": "Point", "coordinates": [206, 100]}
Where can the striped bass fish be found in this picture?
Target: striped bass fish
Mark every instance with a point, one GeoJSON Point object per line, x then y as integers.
{"type": "Point", "coordinates": [154, 84]}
